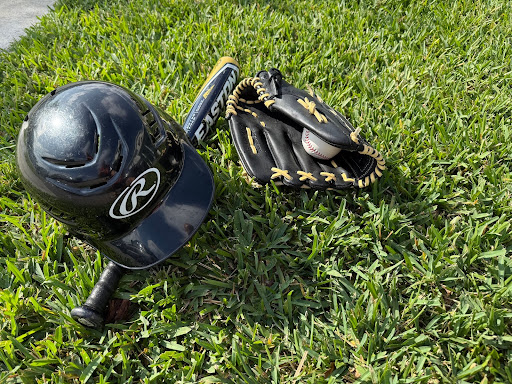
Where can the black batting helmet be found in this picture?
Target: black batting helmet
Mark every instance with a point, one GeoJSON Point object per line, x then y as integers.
{"type": "Point", "coordinates": [120, 173]}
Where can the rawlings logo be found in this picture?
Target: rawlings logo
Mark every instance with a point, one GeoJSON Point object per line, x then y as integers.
{"type": "Point", "coordinates": [137, 195]}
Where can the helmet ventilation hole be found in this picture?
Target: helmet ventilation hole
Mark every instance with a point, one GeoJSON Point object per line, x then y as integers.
{"type": "Point", "coordinates": [118, 160]}
{"type": "Point", "coordinates": [97, 142]}
{"type": "Point", "coordinates": [152, 127]}
{"type": "Point", "coordinates": [65, 163]}
{"type": "Point", "coordinates": [76, 165]}
{"type": "Point", "coordinates": [97, 185]}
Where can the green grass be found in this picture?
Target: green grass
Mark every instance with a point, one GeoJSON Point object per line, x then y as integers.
{"type": "Point", "coordinates": [408, 281]}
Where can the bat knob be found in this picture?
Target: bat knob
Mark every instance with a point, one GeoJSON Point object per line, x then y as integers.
{"type": "Point", "coordinates": [92, 313]}
{"type": "Point", "coordinates": [88, 317]}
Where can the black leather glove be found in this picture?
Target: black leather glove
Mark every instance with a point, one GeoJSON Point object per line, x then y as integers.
{"type": "Point", "coordinates": [267, 117]}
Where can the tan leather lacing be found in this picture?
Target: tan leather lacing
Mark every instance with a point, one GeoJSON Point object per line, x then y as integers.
{"type": "Point", "coordinates": [328, 176]}
{"type": "Point", "coordinates": [311, 107]}
{"type": "Point", "coordinates": [354, 136]}
{"type": "Point", "coordinates": [344, 176]}
{"type": "Point", "coordinates": [381, 165]}
{"type": "Point", "coordinates": [234, 98]}
{"type": "Point", "coordinates": [251, 141]}
{"type": "Point", "coordinates": [306, 176]}
{"type": "Point", "coordinates": [280, 172]}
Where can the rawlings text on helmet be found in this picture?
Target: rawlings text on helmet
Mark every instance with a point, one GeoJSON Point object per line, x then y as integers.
{"type": "Point", "coordinates": [137, 195]}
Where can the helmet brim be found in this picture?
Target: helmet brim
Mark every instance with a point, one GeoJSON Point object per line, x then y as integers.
{"type": "Point", "coordinates": [171, 224]}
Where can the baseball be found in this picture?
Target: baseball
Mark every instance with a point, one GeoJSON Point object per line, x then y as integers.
{"type": "Point", "coordinates": [316, 147]}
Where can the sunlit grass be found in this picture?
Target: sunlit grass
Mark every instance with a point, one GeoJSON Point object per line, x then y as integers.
{"type": "Point", "coordinates": [408, 281]}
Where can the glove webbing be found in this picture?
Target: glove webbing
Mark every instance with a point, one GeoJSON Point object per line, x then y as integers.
{"type": "Point", "coordinates": [234, 98]}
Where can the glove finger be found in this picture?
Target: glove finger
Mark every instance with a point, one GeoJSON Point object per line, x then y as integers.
{"type": "Point", "coordinates": [286, 147]}
{"type": "Point", "coordinates": [252, 147]}
{"type": "Point", "coordinates": [357, 168]}
{"type": "Point", "coordinates": [335, 174]}
{"type": "Point", "coordinates": [311, 171]}
{"type": "Point", "coordinates": [286, 166]}
{"type": "Point", "coordinates": [308, 111]}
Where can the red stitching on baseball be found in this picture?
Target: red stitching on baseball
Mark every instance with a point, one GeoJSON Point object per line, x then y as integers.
{"type": "Point", "coordinates": [312, 149]}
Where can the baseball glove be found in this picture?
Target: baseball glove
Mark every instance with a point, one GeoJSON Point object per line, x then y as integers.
{"type": "Point", "coordinates": [288, 135]}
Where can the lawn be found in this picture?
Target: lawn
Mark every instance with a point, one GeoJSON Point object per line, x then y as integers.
{"type": "Point", "coordinates": [407, 281]}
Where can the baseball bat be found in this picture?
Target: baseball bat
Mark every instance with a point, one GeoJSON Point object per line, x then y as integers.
{"type": "Point", "coordinates": [211, 100]}
{"type": "Point", "coordinates": [202, 116]}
